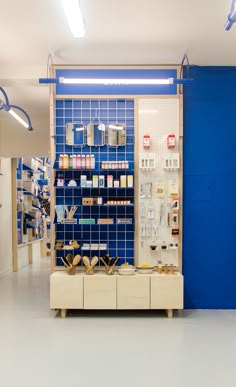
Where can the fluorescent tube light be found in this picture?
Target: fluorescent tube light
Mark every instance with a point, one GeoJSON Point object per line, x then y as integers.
{"type": "Point", "coordinates": [74, 17]}
{"type": "Point", "coordinates": [114, 81]}
{"type": "Point", "coordinates": [116, 127]}
{"type": "Point", "coordinates": [18, 118]}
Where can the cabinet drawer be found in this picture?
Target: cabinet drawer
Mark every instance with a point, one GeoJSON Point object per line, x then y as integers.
{"type": "Point", "coordinates": [133, 292]}
{"type": "Point", "coordinates": [99, 292]}
{"type": "Point", "coordinates": [167, 292]}
{"type": "Point", "coordinates": [66, 291]}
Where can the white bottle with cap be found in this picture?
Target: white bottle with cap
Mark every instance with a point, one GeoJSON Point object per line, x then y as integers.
{"type": "Point", "coordinates": [92, 161]}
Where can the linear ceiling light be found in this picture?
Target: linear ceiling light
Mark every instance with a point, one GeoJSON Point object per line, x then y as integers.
{"type": "Point", "coordinates": [231, 17]}
{"type": "Point", "coordinates": [18, 118]}
{"type": "Point", "coordinates": [74, 17]}
{"type": "Point", "coordinates": [113, 81]}
{"type": "Point", "coordinates": [9, 108]}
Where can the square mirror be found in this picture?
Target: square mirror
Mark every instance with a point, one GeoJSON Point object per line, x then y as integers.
{"type": "Point", "coordinates": [75, 133]}
{"type": "Point", "coordinates": [95, 134]}
{"type": "Point", "coordinates": [116, 134]}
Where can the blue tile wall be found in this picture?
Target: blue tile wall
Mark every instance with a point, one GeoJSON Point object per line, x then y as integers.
{"type": "Point", "coordinates": [120, 238]}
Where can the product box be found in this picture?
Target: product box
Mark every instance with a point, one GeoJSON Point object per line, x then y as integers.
{"type": "Point", "coordinates": [116, 183]}
{"type": "Point", "coordinates": [86, 221]}
{"type": "Point", "coordinates": [87, 201]}
{"type": "Point", "coordinates": [109, 181]}
{"type": "Point", "coordinates": [89, 184]}
{"type": "Point", "coordinates": [130, 181]}
{"type": "Point", "coordinates": [95, 181]}
{"type": "Point", "coordinates": [83, 181]}
{"type": "Point", "coordinates": [124, 220]}
{"type": "Point", "coordinates": [123, 181]}
{"type": "Point", "coordinates": [105, 221]}
{"type": "Point", "coordinates": [101, 181]}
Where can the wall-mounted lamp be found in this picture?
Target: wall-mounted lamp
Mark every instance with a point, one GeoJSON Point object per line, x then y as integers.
{"type": "Point", "coordinates": [9, 108]}
{"type": "Point", "coordinates": [231, 17]}
{"type": "Point", "coordinates": [74, 17]}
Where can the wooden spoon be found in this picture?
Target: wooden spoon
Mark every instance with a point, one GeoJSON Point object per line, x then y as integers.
{"type": "Point", "coordinates": [76, 260]}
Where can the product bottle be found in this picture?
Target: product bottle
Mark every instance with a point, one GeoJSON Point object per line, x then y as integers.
{"type": "Point", "coordinates": [87, 162]}
{"type": "Point", "coordinates": [92, 162]}
{"type": "Point", "coordinates": [71, 161]}
{"type": "Point", "coordinates": [83, 162]}
{"type": "Point", "coordinates": [61, 161]}
{"type": "Point", "coordinates": [74, 161]}
{"type": "Point", "coordinates": [78, 162]}
{"type": "Point", "coordinates": [66, 163]}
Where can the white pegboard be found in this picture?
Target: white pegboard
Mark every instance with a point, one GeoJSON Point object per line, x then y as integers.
{"type": "Point", "coordinates": [158, 118]}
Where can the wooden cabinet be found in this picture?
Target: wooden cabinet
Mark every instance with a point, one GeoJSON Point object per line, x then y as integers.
{"type": "Point", "coordinates": [66, 291]}
{"type": "Point", "coordinates": [99, 292]}
{"type": "Point", "coordinates": [167, 291]}
{"type": "Point", "coordinates": [133, 292]}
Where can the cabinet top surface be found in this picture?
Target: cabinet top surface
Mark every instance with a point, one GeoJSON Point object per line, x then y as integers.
{"type": "Point", "coordinates": [103, 274]}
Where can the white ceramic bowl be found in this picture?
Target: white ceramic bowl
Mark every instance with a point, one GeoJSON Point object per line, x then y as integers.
{"type": "Point", "coordinates": [145, 270]}
{"type": "Point", "coordinates": [127, 271]}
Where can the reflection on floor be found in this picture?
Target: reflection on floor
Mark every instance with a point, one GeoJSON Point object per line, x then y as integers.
{"type": "Point", "coordinates": [39, 349]}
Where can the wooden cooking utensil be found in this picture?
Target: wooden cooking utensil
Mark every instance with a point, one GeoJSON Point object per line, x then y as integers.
{"type": "Point", "coordinates": [76, 260]}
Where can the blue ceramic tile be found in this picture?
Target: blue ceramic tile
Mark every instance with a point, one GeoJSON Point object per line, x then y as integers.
{"type": "Point", "coordinates": [68, 104]}
{"type": "Point", "coordinates": [85, 104]}
{"type": "Point", "coordinates": [77, 104]}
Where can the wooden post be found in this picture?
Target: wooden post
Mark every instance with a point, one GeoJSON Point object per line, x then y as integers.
{"type": "Point", "coordinates": [14, 214]}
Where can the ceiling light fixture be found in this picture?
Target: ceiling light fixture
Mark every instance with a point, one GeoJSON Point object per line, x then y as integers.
{"type": "Point", "coordinates": [114, 81]}
{"type": "Point", "coordinates": [231, 17]}
{"type": "Point", "coordinates": [9, 108]}
{"type": "Point", "coordinates": [74, 17]}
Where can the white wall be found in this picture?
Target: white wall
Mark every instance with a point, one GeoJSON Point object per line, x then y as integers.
{"type": "Point", "coordinates": [5, 217]}
{"type": "Point", "coordinates": [16, 141]}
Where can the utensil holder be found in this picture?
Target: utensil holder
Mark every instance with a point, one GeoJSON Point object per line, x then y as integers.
{"type": "Point", "coordinates": [89, 270]}
{"type": "Point", "coordinates": [71, 271]}
{"type": "Point", "coordinates": [110, 270]}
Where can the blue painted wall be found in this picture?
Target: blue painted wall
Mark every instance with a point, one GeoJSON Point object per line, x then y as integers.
{"type": "Point", "coordinates": [209, 248]}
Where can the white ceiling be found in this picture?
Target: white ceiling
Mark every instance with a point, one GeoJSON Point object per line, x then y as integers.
{"type": "Point", "coordinates": [117, 32]}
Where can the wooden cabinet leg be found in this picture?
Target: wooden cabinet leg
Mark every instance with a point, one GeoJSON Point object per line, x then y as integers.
{"type": "Point", "coordinates": [169, 313]}
{"type": "Point", "coordinates": [30, 253]}
{"type": "Point", "coordinates": [63, 313]}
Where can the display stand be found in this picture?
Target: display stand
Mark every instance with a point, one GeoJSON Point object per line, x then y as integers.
{"type": "Point", "coordinates": [140, 222]}
{"type": "Point", "coordinates": [30, 186]}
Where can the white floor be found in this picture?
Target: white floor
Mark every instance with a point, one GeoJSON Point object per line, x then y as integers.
{"type": "Point", "coordinates": [39, 349]}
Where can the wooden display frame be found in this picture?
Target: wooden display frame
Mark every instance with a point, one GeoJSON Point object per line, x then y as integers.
{"type": "Point", "coordinates": [136, 98]}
